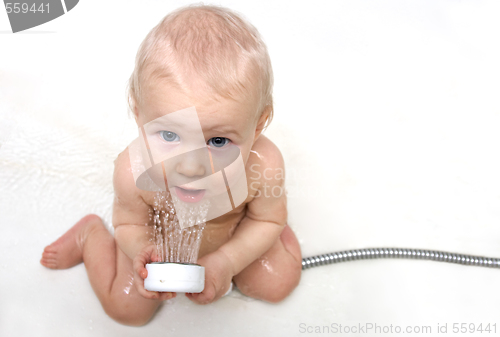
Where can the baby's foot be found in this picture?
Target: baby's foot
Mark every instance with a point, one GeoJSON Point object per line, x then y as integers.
{"type": "Point", "coordinates": [67, 251]}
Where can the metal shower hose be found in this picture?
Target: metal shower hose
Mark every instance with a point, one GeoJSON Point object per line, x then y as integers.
{"type": "Point", "coordinates": [408, 253]}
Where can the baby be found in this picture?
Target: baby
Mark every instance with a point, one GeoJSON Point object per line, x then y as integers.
{"type": "Point", "coordinates": [209, 58]}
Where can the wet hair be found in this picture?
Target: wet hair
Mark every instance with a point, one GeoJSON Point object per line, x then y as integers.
{"type": "Point", "coordinates": [210, 43]}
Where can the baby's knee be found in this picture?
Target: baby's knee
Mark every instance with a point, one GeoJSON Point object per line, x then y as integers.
{"type": "Point", "coordinates": [130, 318]}
{"type": "Point", "coordinates": [127, 314]}
{"type": "Point", "coordinates": [289, 281]}
{"type": "Point", "coordinates": [276, 285]}
{"type": "Point", "coordinates": [291, 244]}
{"type": "Point", "coordinates": [91, 218]}
{"type": "Point", "coordinates": [93, 223]}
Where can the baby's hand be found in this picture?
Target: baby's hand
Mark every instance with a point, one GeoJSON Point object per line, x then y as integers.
{"type": "Point", "coordinates": [218, 276]}
{"type": "Point", "coordinates": [147, 255]}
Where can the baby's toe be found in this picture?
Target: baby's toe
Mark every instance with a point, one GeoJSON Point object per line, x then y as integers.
{"type": "Point", "coordinates": [52, 248]}
{"type": "Point", "coordinates": [49, 252]}
{"type": "Point", "coordinates": [50, 258]}
{"type": "Point", "coordinates": [49, 262]}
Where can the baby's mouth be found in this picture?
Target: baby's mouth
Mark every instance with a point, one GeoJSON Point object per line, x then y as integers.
{"type": "Point", "coordinates": [189, 195]}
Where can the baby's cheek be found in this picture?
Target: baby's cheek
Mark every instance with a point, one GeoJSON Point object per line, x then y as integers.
{"type": "Point", "coordinates": [156, 174]}
{"type": "Point", "coordinates": [216, 185]}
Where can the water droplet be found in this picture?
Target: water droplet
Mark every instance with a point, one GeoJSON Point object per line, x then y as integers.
{"type": "Point", "coordinates": [172, 239]}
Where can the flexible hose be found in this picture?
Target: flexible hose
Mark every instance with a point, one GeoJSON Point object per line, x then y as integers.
{"type": "Point", "coordinates": [408, 253]}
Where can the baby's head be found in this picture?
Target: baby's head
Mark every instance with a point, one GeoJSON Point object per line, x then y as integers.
{"type": "Point", "coordinates": [210, 58]}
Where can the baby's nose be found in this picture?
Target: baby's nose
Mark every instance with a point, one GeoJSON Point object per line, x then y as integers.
{"type": "Point", "coordinates": [190, 166]}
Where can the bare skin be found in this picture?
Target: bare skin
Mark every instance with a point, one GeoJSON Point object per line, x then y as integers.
{"type": "Point", "coordinates": [109, 270]}
{"type": "Point", "coordinates": [251, 245]}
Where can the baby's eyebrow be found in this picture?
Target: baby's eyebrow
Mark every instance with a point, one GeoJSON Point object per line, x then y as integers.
{"type": "Point", "coordinates": [224, 129]}
{"type": "Point", "coordinates": [159, 122]}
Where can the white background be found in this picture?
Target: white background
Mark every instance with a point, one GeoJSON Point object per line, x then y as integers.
{"type": "Point", "coordinates": [387, 114]}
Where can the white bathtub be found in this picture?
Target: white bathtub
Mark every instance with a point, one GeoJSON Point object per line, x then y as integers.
{"type": "Point", "coordinates": [387, 115]}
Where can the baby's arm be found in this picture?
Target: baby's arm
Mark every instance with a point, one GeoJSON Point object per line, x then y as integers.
{"type": "Point", "coordinates": [132, 225]}
{"type": "Point", "coordinates": [130, 212]}
{"type": "Point", "coordinates": [265, 218]}
{"type": "Point", "coordinates": [266, 214]}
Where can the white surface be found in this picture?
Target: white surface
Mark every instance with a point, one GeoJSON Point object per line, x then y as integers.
{"type": "Point", "coordinates": [175, 277]}
{"type": "Point", "coordinates": [387, 114]}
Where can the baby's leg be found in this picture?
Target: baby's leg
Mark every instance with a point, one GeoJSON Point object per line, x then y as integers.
{"type": "Point", "coordinates": [274, 275]}
{"type": "Point", "coordinates": [109, 269]}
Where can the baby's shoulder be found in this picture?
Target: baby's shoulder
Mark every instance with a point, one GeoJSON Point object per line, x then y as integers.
{"type": "Point", "coordinates": [122, 157]}
{"type": "Point", "coordinates": [129, 206]}
{"type": "Point", "coordinates": [122, 166]}
{"type": "Point", "coordinates": [265, 157]}
{"type": "Point", "coordinates": [123, 179]}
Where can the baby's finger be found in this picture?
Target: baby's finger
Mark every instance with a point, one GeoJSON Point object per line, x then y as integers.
{"type": "Point", "coordinates": [141, 260]}
{"type": "Point", "coordinates": [155, 257]}
{"type": "Point", "coordinates": [166, 296]}
{"type": "Point", "coordinates": [139, 268]}
{"type": "Point", "coordinates": [205, 297]}
{"type": "Point", "coordinates": [198, 298]}
{"type": "Point", "coordinates": [147, 253]}
{"type": "Point", "coordinates": [139, 285]}
{"type": "Point", "coordinates": [190, 296]}
{"type": "Point", "coordinates": [152, 295]}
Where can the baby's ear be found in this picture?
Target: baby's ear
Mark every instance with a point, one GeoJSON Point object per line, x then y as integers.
{"type": "Point", "coordinates": [261, 123]}
{"type": "Point", "coordinates": [135, 111]}
{"type": "Point", "coordinates": [133, 107]}
{"type": "Point", "coordinates": [136, 114]}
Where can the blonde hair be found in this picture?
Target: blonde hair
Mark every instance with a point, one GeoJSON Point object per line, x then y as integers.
{"type": "Point", "coordinates": [212, 43]}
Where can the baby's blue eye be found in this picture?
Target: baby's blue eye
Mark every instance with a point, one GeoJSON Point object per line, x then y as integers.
{"type": "Point", "coordinates": [218, 141]}
{"type": "Point", "coordinates": [169, 136]}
